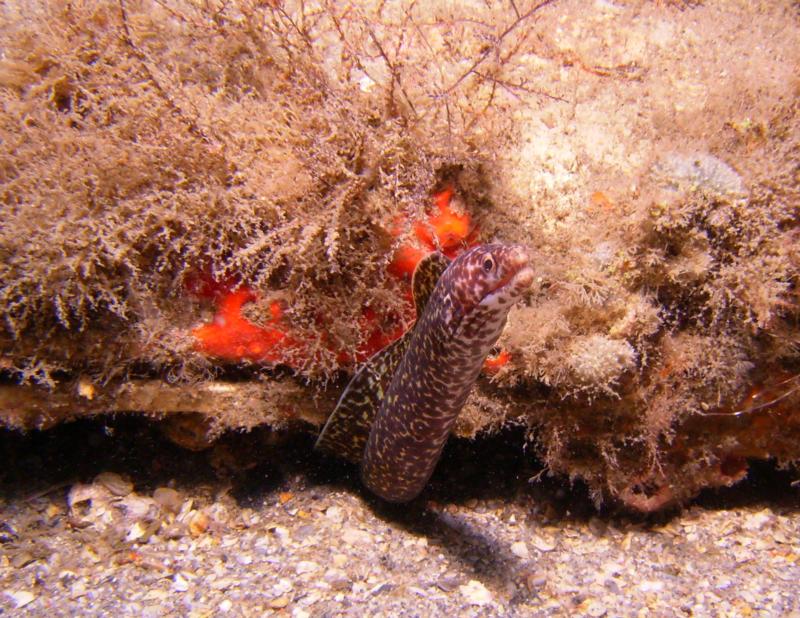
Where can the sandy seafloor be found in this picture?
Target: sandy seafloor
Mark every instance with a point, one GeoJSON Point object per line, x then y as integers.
{"type": "Point", "coordinates": [100, 519]}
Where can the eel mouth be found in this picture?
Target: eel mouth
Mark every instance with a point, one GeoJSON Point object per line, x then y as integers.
{"type": "Point", "coordinates": [518, 278]}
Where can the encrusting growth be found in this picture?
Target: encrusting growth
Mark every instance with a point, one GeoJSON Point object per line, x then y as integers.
{"type": "Point", "coordinates": [239, 192]}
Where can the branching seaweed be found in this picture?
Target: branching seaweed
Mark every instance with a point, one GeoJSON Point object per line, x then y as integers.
{"type": "Point", "coordinates": [239, 138]}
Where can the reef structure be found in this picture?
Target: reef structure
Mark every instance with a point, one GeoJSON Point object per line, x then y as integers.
{"type": "Point", "coordinates": [212, 213]}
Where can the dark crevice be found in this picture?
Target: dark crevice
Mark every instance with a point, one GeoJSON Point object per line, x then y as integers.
{"type": "Point", "coordinates": [252, 466]}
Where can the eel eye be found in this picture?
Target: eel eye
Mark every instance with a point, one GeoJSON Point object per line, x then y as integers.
{"type": "Point", "coordinates": [488, 264]}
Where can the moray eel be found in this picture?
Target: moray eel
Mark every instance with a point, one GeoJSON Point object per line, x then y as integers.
{"type": "Point", "coordinates": [397, 412]}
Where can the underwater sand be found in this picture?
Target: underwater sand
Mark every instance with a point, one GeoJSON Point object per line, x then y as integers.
{"type": "Point", "coordinates": [250, 530]}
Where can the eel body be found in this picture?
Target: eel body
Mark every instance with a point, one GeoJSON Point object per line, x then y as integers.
{"type": "Point", "coordinates": [346, 431]}
{"type": "Point", "coordinates": [397, 412]}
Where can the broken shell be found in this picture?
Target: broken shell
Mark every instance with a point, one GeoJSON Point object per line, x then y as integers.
{"type": "Point", "coordinates": [80, 493]}
{"type": "Point", "coordinates": [115, 483]}
{"type": "Point", "coordinates": [137, 507]}
{"type": "Point", "coordinates": [198, 524]}
{"type": "Point", "coordinates": [168, 499]}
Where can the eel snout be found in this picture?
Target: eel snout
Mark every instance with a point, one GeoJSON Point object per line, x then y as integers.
{"type": "Point", "coordinates": [520, 262]}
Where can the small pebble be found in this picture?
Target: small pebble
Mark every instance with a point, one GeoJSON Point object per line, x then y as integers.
{"type": "Point", "coordinates": [198, 523]}
{"type": "Point", "coordinates": [542, 545]}
{"type": "Point", "coordinates": [225, 606]}
{"type": "Point", "coordinates": [136, 532]}
{"type": "Point", "coordinates": [756, 521]}
{"type": "Point", "coordinates": [337, 579]}
{"type": "Point", "coordinates": [179, 584]}
{"type": "Point", "coordinates": [20, 597]}
{"type": "Point", "coordinates": [21, 559]}
{"type": "Point", "coordinates": [115, 483]}
{"type": "Point", "coordinates": [168, 499]}
{"type": "Point", "coordinates": [77, 590]}
{"type": "Point", "coordinates": [353, 536]}
{"type": "Point", "coordinates": [335, 514]}
{"type": "Point", "coordinates": [475, 593]}
{"type": "Point", "coordinates": [651, 586]}
{"type": "Point", "coordinates": [306, 566]}
{"type": "Point", "coordinates": [595, 609]}
{"type": "Point", "coordinates": [283, 586]}
{"type": "Point", "coordinates": [281, 533]}
{"type": "Point", "coordinates": [520, 550]}
{"type": "Point", "coordinates": [448, 582]}
{"type": "Point", "coordinates": [279, 602]}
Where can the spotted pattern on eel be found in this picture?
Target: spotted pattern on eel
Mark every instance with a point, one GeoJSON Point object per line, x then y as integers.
{"type": "Point", "coordinates": [396, 414]}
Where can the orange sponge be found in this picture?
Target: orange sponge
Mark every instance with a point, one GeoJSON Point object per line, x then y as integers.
{"type": "Point", "coordinates": [446, 230]}
{"type": "Point", "coordinates": [233, 337]}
